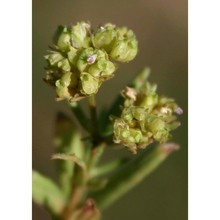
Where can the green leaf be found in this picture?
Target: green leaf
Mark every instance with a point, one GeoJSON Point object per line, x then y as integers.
{"type": "Point", "coordinates": [132, 174]}
{"type": "Point", "coordinates": [47, 194]}
{"type": "Point", "coordinates": [104, 169]}
{"type": "Point", "coordinates": [72, 157]}
{"type": "Point", "coordinates": [67, 141]}
{"type": "Point", "coordinates": [141, 78]}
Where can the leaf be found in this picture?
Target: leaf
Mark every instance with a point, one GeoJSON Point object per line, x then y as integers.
{"type": "Point", "coordinates": [140, 79]}
{"type": "Point", "coordinates": [71, 157]}
{"type": "Point", "coordinates": [96, 184]}
{"type": "Point", "coordinates": [132, 174]}
{"type": "Point", "coordinates": [67, 141]}
{"type": "Point", "coordinates": [47, 194]}
{"type": "Point", "coordinates": [106, 168]}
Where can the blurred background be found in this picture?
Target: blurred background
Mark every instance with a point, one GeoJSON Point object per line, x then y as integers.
{"type": "Point", "coordinates": [161, 29]}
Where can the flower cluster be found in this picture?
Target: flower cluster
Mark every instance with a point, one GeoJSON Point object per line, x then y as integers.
{"type": "Point", "coordinates": [146, 117]}
{"type": "Point", "coordinates": [82, 59]}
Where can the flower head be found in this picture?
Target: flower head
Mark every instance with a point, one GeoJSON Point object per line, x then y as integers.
{"type": "Point", "coordinates": [82, 59]}
{"type": "Point", "coordinates": [146, 117]}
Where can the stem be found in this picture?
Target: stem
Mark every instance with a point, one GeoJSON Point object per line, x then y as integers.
{"type": "Point", "coordinates": [132, 173]}
{"type": "Point", "coordinates": [80, 115]}
{"type": "Point", "coordinates": [93, 115]}
{"type": "Point", "coordinates": [78, 191]}
{"type": "Point", "coordinates": [95, 155]}
{"type": "Point", "coordinates": [73, 202]}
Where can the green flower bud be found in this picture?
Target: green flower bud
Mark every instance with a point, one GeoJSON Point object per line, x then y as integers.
{"type": "Point", "coordinates": [120, 130]}
{"type": "Point", "coordinates": [65, 79]}
{"type": "Point", "coordinates": [72, 55]}
{"type": "Point", "coordinates": [127, 115]}
{"type": "Point", "coordinates": [124, 33]}
{"type": "Point", "coordinates": [54, 58]}
{"type": "Point", "coordinates": [125, 47]}
{"type": "Point", "coordinates": [95, 62]}
{"type": "Point", "coordinates": [139, 113]}
{"type": "Point", "coordinates": [108, 68]}
{"type": "Point", "coordinates": [90, 84]}
{"type": "Point", "coordinates": [105, 37]}
{"type": "Point", "coordinates": [95, 69]}
{"type": "Point", "coordinates": [102, 68]}
{"type": "Point", "coordinates": [80, 35]}
{"type": "Point", "coordinates": [64, 65]}
{"type": "Point", "coordinates": [84, 58]}
{"type": "Point", "coordinates": [157, 125]}
{"type": "Point", "coordinates": [129, 137]}
{"type": "Point", "coordinates": [64, 40]}
{"type": "Point", "coordinates": [149, 101]}
{"type": "Point", "coordinates": [62, 86]}
{"type": "Point", "coordinates": [136, 135]}
{"type": "Point", "coordinates": [124, 50]}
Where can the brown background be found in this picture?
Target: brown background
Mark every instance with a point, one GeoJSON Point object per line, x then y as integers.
{"type": "Point", "coordinates": [161, 28]}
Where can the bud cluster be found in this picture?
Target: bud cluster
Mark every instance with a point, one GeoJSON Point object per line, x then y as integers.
{"type": "Point", "coordinates": [146, 117]}
{"type": "Point", "coordinates": [82, 59]}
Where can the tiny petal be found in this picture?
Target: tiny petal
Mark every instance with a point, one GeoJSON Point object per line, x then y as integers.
{"type": "Point", "coordinates": [91, 59]}
{"type": "Point", "coordinates": [179, 111]}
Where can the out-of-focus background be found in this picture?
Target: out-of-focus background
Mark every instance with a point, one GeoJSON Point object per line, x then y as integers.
{"type": "Point", "coordinates": [161, 29]}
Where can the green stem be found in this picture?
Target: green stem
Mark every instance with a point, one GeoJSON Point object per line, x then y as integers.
{"type": "Point", "coordinates": [80, 115]}
{"type": "Point", "coordinates": [93, 116]}
{"type": "Point", "coordinates": [95, 155]}
{"type": "Point", "coordinates": [132, 174]}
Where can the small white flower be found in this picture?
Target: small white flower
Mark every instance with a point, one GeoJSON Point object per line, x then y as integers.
{"type": "Point", "coordinates": [179, 111]}
{"type": "Point", "coordinates": [91, 59]}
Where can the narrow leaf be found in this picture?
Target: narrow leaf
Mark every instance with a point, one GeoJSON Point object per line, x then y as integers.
{"type": "Point", "coordinates": [104, 169]}
{"type": "Point", "coordinates": [71, 157]}
{"type": "Point", "coordinates": [141, 78]}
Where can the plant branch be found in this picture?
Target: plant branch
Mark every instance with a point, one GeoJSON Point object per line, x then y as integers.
{"type": "Point", "coordinates": [93, 118]}
{"type": "Point", "coordinates": [132, 173]}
